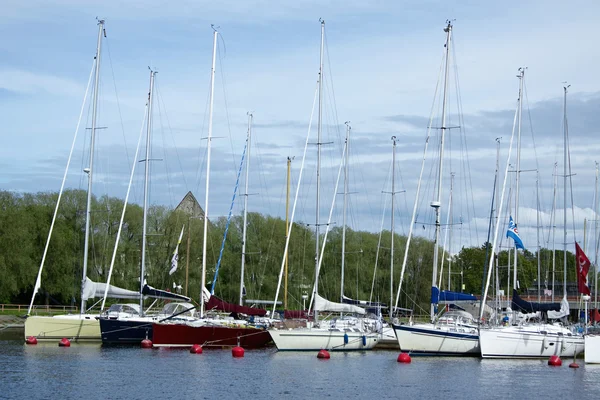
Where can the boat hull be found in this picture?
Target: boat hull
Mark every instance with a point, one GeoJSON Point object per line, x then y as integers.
{"type": "Point", "coordinates": [431, 340]}
{"type": "Point", "coordinates": [592, 349]}
{"type": "Point", "coordinates": [387, 339]}
{"type": "Point", "coordinates": [533, 341]}
{"type": "Point", "coordinates": [183, 335]}
{"type": "Point", "coordinates": [125, 331]}
{"type": "Point", "coordinates": [305, 339]}
{"type": "Point", "coordinates": [75, 327]}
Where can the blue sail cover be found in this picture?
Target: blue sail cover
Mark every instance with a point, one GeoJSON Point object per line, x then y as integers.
{"type": "Point", "coordinates": [449, 296]}
{"type": "Point", "coordinates": [435, 295]}
{"type": "Point", "coordinates": [519, 304]}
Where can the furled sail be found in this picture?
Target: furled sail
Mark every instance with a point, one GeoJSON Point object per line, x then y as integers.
{"type": "Point", "coordinates": [93, 289]}
{"type": "Point", "coordinates": [322, 304]}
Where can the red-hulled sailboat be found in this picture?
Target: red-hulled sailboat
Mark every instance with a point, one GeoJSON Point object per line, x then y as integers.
{"type": "Point", "coordinates": [213, 330]}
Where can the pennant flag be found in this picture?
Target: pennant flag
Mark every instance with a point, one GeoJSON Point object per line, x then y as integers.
{"type": "Point", "coordinates": [513, 233]}
{"type": "Point", "coordinates": [583, 266]}
{"type": "Point", "coordinates": [175, 258]}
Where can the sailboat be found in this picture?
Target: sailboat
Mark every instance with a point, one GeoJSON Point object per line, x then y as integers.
{"type": "Point", "coordinates": [130, 323]}
{"type": "Point", "coordinates": [455, 333]}
{"type": "Point", "coordinates": [532, 340]}
{"type": "Point", "coordinates": [342, 334]}
{"type": "Point", "coordinates": [82, 326]}
{"type": "Point", "coordinates": [212, 331]}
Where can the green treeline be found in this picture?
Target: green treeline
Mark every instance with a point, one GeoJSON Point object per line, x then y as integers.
{"type": "Point", "coordinates": [25, 221]}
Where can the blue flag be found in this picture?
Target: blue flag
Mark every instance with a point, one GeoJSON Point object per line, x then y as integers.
{"type": "Point", "coordinates": [513, 233]}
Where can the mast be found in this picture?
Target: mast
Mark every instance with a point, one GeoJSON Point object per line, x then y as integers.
{"type": "Point", "coordinates": [244, 229]}
{"type": "Point", "coordinates": [497, 218]}
{"type": "Point", "coordinates": [521, 77]}
{"type": "Point", "coordinates": [450, 233]}
{"type": "Point", "coordinates": [287, 224]}
{"type": "Point", "coordinates": [565, 127]}
{"type": "Point", "coordinates": [345, 209]}
{"type": "Point", "coordinates": [146, 175]}
{"type": "Point", "coordinates": [596, 237]}
{"type": "Point", "coordinates": [554, 229]}
{"type": "Point", "coordinates": [539, 247]}
{"type": "Point", "coordinates": [437, 203]}
{"type": "Point", "coordinates": [319, 130]}
{"type": "Point", "coordinates": [90, 169]}
{"type": "Point", "coordinates": [208, 146]}
{"type": "Point", "coordinates": [392, 227]}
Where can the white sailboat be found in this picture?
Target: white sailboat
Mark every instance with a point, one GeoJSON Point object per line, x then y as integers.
{"type": "Point", "coordinates": [533, 340]}
{"type": "Point", "coordinates": [455, 334]}
{"type": "Point", "coordinates": [82, 326]}
{"type": "Point", "coordinates": [347, 333]}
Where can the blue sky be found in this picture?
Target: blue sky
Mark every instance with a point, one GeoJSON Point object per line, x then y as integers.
{"type": "Point", "coordinates": [381, 73]}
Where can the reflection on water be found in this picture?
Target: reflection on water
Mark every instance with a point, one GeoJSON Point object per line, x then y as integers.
{"type": "Point", "coordinates": [93, 372]}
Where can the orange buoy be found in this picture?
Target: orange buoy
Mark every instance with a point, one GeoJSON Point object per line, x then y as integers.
{"type": "Point", "coordinates": [573, 365]}
{"type": "Point", "coordinates": [64, 342]}
{"type": "Point", "coordinates": [146, 344]}
{"type": "Point", "coordinates": [237, 352]}
{"type": "Point", "coordinates": [404, 358]}
{"type": "Point", "coordinates": [31, 340]}
{"type": "Point", "coordinates": [196, 349]}
{"type": "Point", "coordinates": [324, 354]}
{"type": "Point", "coordinates": [555, 361]}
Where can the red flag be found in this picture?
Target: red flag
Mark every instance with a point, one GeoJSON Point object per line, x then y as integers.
{"type": "Point", "coordinates": [583, 266]}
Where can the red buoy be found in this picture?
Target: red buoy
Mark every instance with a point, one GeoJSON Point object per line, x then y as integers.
{"type": "Point", "coordinates": [146, 344]}
{"type": "Point", "coordinates": [196, 349]}
{"type": "Point", "coordinates": [237, 352]}
{"type": "Point", "coordinates": [404, 358]}
{"type": "Point", "coordinates": [64, 342]}
{"type": "Point", "coordinates": [31, 340]}
{"type": "Point", "coordinates": [573, 365]}
{"type": "Point", "coordinates": [324, 354]}
{"type": "Point", "coordinates": [555, 361]}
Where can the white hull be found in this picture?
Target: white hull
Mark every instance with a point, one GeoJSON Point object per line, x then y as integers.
{"type": "Point", "coordinates": [529, 341]}
{"type": "Point", "coordinates": [387, 339]}
{"type": "Point", "coordinates": [304, 339]}
{"type": "Point", "coordinates": [74, 327]}
{"type": "Point", "coordinates": [429, 339]}
{"type": "Point", "coordinates": [592, 349]}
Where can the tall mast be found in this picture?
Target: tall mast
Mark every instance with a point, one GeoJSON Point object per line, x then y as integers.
{"type": "Point", "coordinates": [244, 229]}
{"type": "Point", "coordinates": [392, 227]}
{"type": "Point", "coordinates": [287, 224]}
{"type": "Point", "coordinates": [345, 209]}
{"type": "Point", "coordinates": [539, 247]}
{"type": "Point", "coordinates": [596, 240]}
{"type": "Point", "coordinates": [565, 128]}
{"type": "Point", "coordinates": [90, 169]}
{"type": "Point", "coordinates": [437, 203]}
{"type": "Point", "coordinates": [521, 77]}
{"type": "Point", "coordinates": [554, 228]}
{"type": "Point", "coordinates": [497, 216]}
{"type": "Point", "coordinates": [146, 175]}
{"type": "Point", "coordinates": [319, 130]}
{"type": "Point", "coordinates": [208, 145]}
{"type": "Point", "coordinates": [450, 232]}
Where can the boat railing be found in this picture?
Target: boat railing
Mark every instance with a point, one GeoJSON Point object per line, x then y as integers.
{"type": "Point", "coordinates": [38, 308]}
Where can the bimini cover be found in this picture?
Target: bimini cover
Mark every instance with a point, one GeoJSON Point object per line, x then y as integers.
{"type": "Point", "coordinates": [149, 291]}
{"type": "Point", "coordinates": [322, 304]}
{"type": "Point", "coordinates": [519, 304]}
{"type": "Point", "coordinates": [448, 296]}
{"type": "Point", "coordinates": [95, 289]}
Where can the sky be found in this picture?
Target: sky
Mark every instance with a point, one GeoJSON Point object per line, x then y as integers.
{"type": "Point", "coordinates": [382, 73]}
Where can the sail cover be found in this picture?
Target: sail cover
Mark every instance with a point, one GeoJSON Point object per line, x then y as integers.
{"type": "Point", "coordinates": [519, 304]}
{"type": "Point", "coordinates": [449, 296]}
{"type": "Point", "coordinates": [96, 289]}
{"type": "Point", "coordinates": [149, 291]}
{"type": "Point", "coordinates": [215, 303]}
{"type": "Point", "coordinates": [322, 304]}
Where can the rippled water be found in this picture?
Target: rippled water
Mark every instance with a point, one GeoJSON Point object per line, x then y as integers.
{"type": "Point", "coordinates": [47, 371]}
